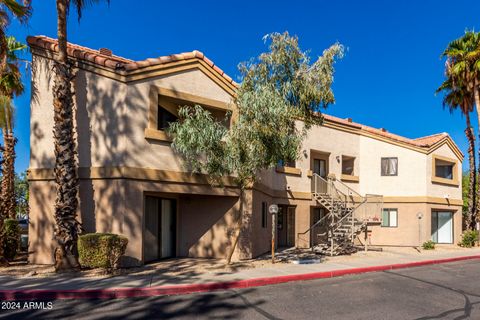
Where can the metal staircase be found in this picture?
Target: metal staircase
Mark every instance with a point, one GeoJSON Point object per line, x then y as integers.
{"type": "Point", "coordinates": [348, 215]}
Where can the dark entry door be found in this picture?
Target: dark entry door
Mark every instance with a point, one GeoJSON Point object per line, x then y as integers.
{"type": "Point", "coordinates": [286, 226]}
{"type": "Point", "coordinates": [160, 228]}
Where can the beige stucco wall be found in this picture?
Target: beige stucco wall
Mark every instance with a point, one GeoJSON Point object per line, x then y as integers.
{"type": "Point", "coordinates": [157, 154]}
{"type": "Point", "coordinates": [412, 231]}
{"type": "Point", "coordinates": [321, 139]}
{"type": "Point", "coordinates": [99, 117]}
{"type": "Point", "coordinates": [411, 179]}
{"type": "Point", "coordinates": [41, 221]}
{"type": "Point", "coordinates": [414, 167]}
{"type": "Point", "coordinates": [101, 209]}
{"type": "Point", "coordinates": [206, 225]}
{"type": "Point", "coordinates": [41, 114]}
{"type": "Point", "coordinates": [111, 117]}
{"type": "Point", "coordinates": [261, 236]}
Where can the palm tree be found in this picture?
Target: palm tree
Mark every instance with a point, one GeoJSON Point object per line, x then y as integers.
{"type": "Point", "coordinates": [457, 96]}
{"type": "Point", "coordinates": [7, 193]}
{"type": "Point", "coordinates": [10, 86]}
{"type": "Point", "coordinates": [463, 59]}
{"type": "Point", "coordinates": [9, 8]}
{"type": "Point", "coordinates": [67, 227]}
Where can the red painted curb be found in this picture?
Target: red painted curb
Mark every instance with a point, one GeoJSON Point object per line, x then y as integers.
{"type": "Point", "coordinates": [115, 293]}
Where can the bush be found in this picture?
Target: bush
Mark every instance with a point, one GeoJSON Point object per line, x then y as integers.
{"type": "Point", "coordinates": [428, 245]}
{"type": "Point", "coordinates": [101, 250]}
{"type": "Point", "coordinates": [11, 243]}
{"type": "Point", "coordinates": [469, 238]}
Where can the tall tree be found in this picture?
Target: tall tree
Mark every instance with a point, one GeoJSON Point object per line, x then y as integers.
{"type": "Point", "coordinates": [7, 194]}
{"type": "Point", "coordinates": [10, 8]}
{"type": "Point", "coordinates": [463, 65]}
{"type": "Point", "coordinates": [458, 96]}
{"type": "Point", "coordinates": [67, 226]}
{"type": "Point", "coordinates": [10, 86]}
{"type": "Point", "coordinates": [278, 88]}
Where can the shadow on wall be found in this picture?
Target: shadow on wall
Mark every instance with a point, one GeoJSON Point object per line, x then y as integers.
{"type": "Point", "coordinates": [84, 137]}
{"type": "Point", "coordinates": [110, 119]}
{"type": "Point", "coordinates": [104, 126]}
{"type": "Point", "coordinates": [207, 225]}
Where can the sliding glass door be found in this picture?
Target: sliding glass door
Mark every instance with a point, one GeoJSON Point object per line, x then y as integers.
{"type": "Point", "coordinates": [442, 226]}
{"type": "Point", "coordinates": [160, 226]}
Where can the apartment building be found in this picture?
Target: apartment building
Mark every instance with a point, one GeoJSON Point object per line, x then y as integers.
{"type": "Point", "coordinates": [395, 190]}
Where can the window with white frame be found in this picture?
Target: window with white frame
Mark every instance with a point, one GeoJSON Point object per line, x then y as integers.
{"type": "Point", "coordinates": [390, 218]}
{"type": "Point", "coordinates": [389, 166]}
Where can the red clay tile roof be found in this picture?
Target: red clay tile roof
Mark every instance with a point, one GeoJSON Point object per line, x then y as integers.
{"type": "Point", "coordinates": [431, 140]}
{"type": "Point", "coordinates": [119, 63]}
{"type": "Point", "coordinates": [427, 141]}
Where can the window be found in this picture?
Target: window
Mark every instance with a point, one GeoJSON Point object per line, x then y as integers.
{"type": "Point", "coordinates": [390, 218]}
{"type": "Point", "coordinates": [444, 169]}
{"type": "Point", "coordinates": [264, 214]}
{"type": "Point", "coordinates": [320, 167]}
{"type": "Point", "coordinates": [165, 117]}
{"type": "Point", "coordinates": [287, 163]}
{"type": "Point", "coordinates": [389, 166]}
{"type": "Point", "coordinates": [347, 165]}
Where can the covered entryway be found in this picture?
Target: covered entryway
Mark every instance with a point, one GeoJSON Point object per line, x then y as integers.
{"type": "Point", "coordinates": [442, 226]}
{"type": "Point", "coordinates": [286, 226]}
{"type": "Point", "coordinates": [160, 228]}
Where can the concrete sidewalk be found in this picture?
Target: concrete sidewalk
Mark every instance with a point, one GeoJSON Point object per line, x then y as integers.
{"type": "Point", "coordinates": [359, 261]}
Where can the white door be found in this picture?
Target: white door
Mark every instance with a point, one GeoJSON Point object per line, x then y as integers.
{"type": "Point", "coordinates": [442, 227]}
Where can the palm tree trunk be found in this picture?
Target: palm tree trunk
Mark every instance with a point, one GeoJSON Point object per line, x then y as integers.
{"type": "Point", "coordinates": [3, 261]}
{"type": "Point", "coordinates": [7, 193]}
{"type": "Point", "coordinates": [476, 95]}
{"type": "Point", "coordinates": [67, 226]}
{"type": "Point", "coordinates": [472, 195]}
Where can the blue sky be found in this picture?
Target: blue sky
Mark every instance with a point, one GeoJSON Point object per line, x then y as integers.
{"type": "Point", "coordinates": [387, 78]}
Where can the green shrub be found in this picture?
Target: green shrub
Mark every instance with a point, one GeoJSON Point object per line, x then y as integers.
{"type": "Point", "coordinates": [11, 233]}
{"type": "Point", "coordinates": [101, 250]}
{"type": "Point", "coordinates": [428, 245]}
{"type": "Point", "coordinates": [469, 237]}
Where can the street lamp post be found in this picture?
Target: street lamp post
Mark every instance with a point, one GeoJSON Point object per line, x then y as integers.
{"type": "Point", "coordinates": [273, 209]}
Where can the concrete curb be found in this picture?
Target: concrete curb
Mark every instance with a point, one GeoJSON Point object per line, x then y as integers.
{"type": "Point", "coordinates": [116, 293]}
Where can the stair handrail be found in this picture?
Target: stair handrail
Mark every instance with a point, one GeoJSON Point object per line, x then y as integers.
{"type": "Point", "coordinates": [344, 204]}
{"type": "Point", "coordinates": [313, 225]}
{"type": "Point", "coordinates": [311, 228]}
{"type": "Point", "coordinates": [352, 193]}
{"type": "Point", "coordinates": [350, 198]}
